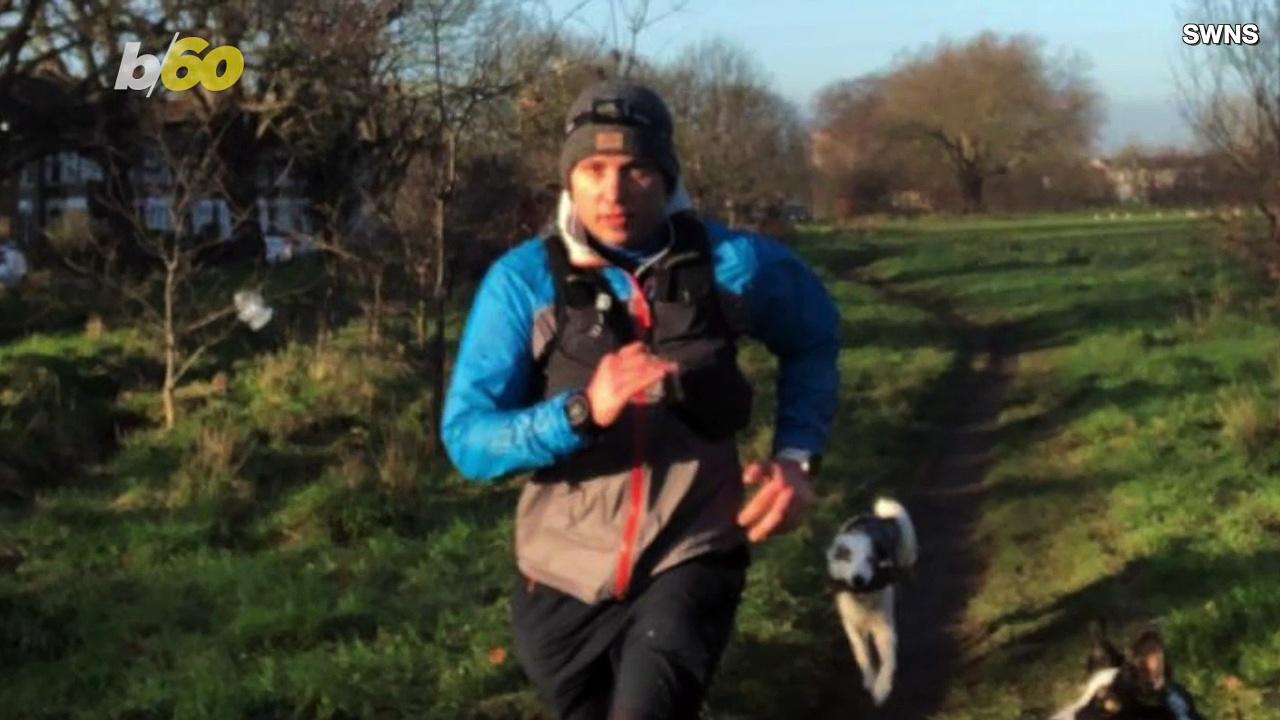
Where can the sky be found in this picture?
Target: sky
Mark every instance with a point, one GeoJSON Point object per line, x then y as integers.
{"type": "Point", "coordinates": [1131, 47]}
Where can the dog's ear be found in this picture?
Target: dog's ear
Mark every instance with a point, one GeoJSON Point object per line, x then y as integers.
{"type": "Point", "coordinates": [906, 557]}
{"type": "Point", "coordinates": [1103, 654]}
{"type": "Point", "coordinates": [1148, 659]}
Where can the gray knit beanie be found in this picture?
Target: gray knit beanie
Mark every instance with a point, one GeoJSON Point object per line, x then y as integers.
{"type": "Point", "coordinates": [612, 116]}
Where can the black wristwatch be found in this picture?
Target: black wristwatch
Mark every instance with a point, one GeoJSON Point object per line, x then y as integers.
{"type": "Point", "coordinates": [578, 409]}
{"type": "Point", "coordinates": [813, 465]}
{"type": "Point", "coordinates": [810, 463]}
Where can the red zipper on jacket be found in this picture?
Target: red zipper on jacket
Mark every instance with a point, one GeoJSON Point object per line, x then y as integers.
{"type": "Point", "coordinates": [642, 317]}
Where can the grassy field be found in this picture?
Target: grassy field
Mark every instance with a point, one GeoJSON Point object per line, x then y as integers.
{"type": "Point", "coordinates": [291, 550]}
{"type": "Point", "coordinates": [1137, 475]}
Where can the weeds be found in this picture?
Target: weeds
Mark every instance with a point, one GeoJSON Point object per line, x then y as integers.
{"type": "Point", "coordinates": [1250, 421]}
{"type": "Point", "coordinates": [291, 550]}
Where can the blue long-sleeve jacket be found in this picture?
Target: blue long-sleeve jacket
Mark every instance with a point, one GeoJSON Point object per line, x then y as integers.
{"type": "Point", "coordinates": [493, 427]}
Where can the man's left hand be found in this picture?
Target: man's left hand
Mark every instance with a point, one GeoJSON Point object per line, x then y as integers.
{"type": "Point", "coordinates": [784, 499]}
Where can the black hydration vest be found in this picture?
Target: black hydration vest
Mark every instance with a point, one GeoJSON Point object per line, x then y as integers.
{"type": "Point", "coordinates": [693, 324]}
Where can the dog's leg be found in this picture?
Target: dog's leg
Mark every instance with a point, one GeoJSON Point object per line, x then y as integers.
{"type": "Point", "coordinates": [884, 632]}
{"type": "Point", "coordinates": [851, 616]}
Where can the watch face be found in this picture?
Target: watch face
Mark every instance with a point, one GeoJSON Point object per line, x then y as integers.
{"type": "Point", "coordinates": [578, 410]}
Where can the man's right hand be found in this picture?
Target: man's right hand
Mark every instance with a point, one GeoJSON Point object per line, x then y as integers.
{"type": "Point", "coordinates": [620, 376]}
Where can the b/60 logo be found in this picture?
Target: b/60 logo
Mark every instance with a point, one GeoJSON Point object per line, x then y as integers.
{"type": "Point", "coordinates": [181, 68]}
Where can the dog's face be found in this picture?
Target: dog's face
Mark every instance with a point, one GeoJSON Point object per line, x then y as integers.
{"type": "Point", "coordinates": [1138, 687]}
{"type": "Point", "coordinates": [851, 559]}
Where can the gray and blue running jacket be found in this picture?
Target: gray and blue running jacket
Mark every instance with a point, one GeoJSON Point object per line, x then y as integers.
{"type": "Point", "coordinates": [679, 495]}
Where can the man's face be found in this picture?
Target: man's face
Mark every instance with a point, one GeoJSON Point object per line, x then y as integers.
{"type": "Point", "coordinates": [620, 199]}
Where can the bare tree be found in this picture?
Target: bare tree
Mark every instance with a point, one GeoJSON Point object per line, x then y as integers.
{"type": "Point", "coordinates": [851, 147]}
{"type": "Point", "coordinates": [989, 105]}
{"type": "Point", "coordinates": [350, 118]}
{"type": "Point", "coordinates": [628, 20]}
{"type": "Point", "coordinates": [1231, 95]}
{"type": "Point", "coordinates": [465, 61]}
{"type": "Point", "coordinates": [17, 26]}
{"type": "Point", "coordinates": [722, 104]}
{"type": "Point", "coordinates": [62, 91]}
{"type": "Point", "coordinates": [49, 97]}
{"type": "Point", "coordinates": [185, 305]}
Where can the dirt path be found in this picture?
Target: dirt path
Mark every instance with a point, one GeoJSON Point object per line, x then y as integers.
{"type": "Point", "coordinates": [945, 504]}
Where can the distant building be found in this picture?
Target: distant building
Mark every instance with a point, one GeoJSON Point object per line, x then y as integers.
{"type": "Point", "coordinates": [911, 202]}
{"type": "Point", "coordinates": [55, 186]}
{"type": "Point", "coordinates": [63, 184]}
{"type": "Point", "coordinates": [1155, 177]}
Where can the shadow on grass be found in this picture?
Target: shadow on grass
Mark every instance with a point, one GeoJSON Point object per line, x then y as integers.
{"type": "Point", "coordinates": [965, 270]}
{"type": "Point", "coordinates": [859, 334]}
{"type": "Point", "coordinates": [1068, 488]}
{"type": "Point", "coordinates": [1070, 324]}
{"type": "Point", "coordinates": [852, 252]}
{"type": "Point", "coordinates": [1082, 400]}
{"type": "Point", "coordinates": [950, 438]}
{"type": "Point", "coordinates": [61, 418]}
{"type": "Point", "coordinates": [1213, 596]}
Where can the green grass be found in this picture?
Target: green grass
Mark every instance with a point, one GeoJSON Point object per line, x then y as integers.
{"type": "Point", "coordinates": [891, 360]}
{"type": "Point", "coordinates": [1136, 476]}
{"type": "Point", "coordinates": [292, 549]}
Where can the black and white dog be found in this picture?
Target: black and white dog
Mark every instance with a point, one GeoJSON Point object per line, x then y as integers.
{"type": "Point", "coordinates": [1137, 687]}
{"type": "Point", "coordinates": [865, 560]}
